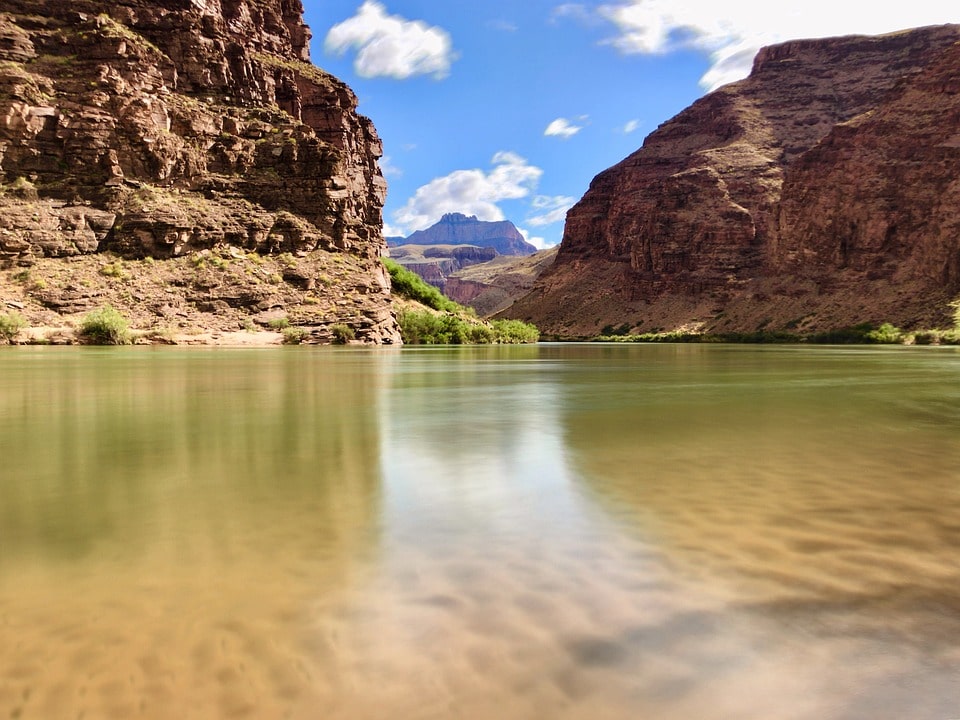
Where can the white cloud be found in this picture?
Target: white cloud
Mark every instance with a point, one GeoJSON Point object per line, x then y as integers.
{"type": "Point", "coordinates": [575, 11]}
{"type": "Point", "coordinates": [388, 169]}
{"type": "Point", "coordinates": [631, 126]}
{"type": "Point", "coordinates": [471, 192]}
{"type": "Point", "coordinates": [391, 46]}
{"type": "Point", "coordinates": [538, 242]}
{"type": "Point", "coordinates": [561, 127]}
{"type": "Point", "coordinates": [731, 32]}
{"type": "Point", "coordinates": [552, 209]}
{"type": "Point", "coordinates": [391, 231]}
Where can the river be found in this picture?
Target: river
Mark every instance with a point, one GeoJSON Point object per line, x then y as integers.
{"type": "Point", "coordinates": [482, 533]}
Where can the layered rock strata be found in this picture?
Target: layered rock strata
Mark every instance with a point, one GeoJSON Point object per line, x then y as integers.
{"type": "Point", "coordinates": [435, 263]}
{"type": "Point", "coordinates": [155, 130]}
{"type": "Point", "coordinates": [494, 286]}
{"type": "Point", "coordinates": [815, 193]}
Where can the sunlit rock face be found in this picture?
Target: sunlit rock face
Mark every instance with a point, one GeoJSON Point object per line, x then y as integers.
{"type": "Point", "coordinates": [736, 214]}
{"type": "Point", "coordinates": [157, 129]}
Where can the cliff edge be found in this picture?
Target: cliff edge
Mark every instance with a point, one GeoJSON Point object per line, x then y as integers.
{"type": "Point", "coordinates": [183, 161]}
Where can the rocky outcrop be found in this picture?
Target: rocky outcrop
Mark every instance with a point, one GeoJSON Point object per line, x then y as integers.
{"type": "Point", "coordinates": [772, 201]}
{"type": "Point", "coordinates": [458, 229]}
{"type": "Point", "coordinates": [157, 130]}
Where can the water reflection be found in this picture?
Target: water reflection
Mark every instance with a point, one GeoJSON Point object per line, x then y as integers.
{"type": "Point", "coordinates": [806, 504]}
{"type": "Point", "coordinates": [168, 521]}
{"type": "Point", "coordinates": [564, 532]}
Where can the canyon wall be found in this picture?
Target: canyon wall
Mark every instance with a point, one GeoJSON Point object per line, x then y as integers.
{"type": "Point", "coordinates": [153, 131]}
{"type": "Point", "coordinates": [818, 192]}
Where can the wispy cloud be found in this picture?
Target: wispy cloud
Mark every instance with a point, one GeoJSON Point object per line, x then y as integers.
{"type": "Point", "coordinates": [573, 11]}
{"type": "Point", "coordinates": [630, 126]}
{"type": "Point", "coordinates": [732, 32]}
{"type": "Point", "coordinates": [561, 127]}
{"type": "Point", "coordinates": [390, 45]}
{"type": "Point", "coordinates": [471, 192]}
{"type": "Point", "coordinates": [550, 209]}
{"type": "Point", "coordinates": [388, 168]}
{"type": "Point", "coordinates": [503, 25]}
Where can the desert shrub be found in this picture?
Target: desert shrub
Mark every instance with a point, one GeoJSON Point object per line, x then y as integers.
{"type": "Point", "coordinates": [410, 285]}
{"type": "Point", "coordinates": [293, 335]}
{"type": "Point", "coordinates": [855, 335]}
{"type": "Point", "coordinates": [950, 337]}
{"type": "Point", "coordinates": [515, 332]}
{"type": "Point", "coordinates": [926, 337]}
{"type": "Point", "coordinates": [342, 333]}
{"type": "Point", "coordinates": [11, 324]}
{"type": "Point", "coordinates": [114, 269]}
{"type": "Point", "coordinates": [886, 334]}
{"type": "Point", "coordinates": [279, 323]}
{"type": "Point", "coordinates": [421, 327]}
{"type": "Point", "coordinates": [105, 326]}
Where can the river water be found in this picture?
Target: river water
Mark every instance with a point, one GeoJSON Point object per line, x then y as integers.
{"type": "Point", "coordinates": [554, 531]}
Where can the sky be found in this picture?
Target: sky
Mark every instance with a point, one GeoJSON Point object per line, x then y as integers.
{"type": "Point", "coordinates": [508, 109]}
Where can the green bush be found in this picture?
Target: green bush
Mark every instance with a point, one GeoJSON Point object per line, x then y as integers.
{"type": "Point", "coordinates": [412, 286]}
{"type": "Point", "coordinates": [279, 323]}
{"type": "Point", "coordinates": [293, 335]}
{"type": "Point", "coordinates": [856, 335]}
{"type": "Point", "coordinates": [11, 324]}
{"type": "Point", "coordinates": [514, 332]}
{"type": "Point", "coordinates": [422, 327]}
{"type": "Point", "coordinates": [886, 334]}
{"type": "Point", "coordinates": [105, 326]}
{"type": "Point", "coordinates": [342, 333]}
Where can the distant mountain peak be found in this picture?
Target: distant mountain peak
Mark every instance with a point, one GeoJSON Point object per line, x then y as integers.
{"type": "Point", "coordinates": [460, 229]}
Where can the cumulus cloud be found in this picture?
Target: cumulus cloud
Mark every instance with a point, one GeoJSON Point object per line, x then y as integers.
{"type": "Point", "coordinates": [471, 192]}
{"type": "Point", "coordinates": [550, 209]}
{"type": "Point", "coordinates": [561, 127]}
{"type": "Point", "coordinates": [390, 45]}
{"type": "Point", "coordinates": [732, 32]}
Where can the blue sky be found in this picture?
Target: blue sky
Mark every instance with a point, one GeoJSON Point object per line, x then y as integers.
{"type": "Point", "coordinates": [507, 110]}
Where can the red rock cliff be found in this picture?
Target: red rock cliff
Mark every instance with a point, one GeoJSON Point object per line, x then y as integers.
{"type": "Point", "coordinates": [159, 128]}
{"type": "Point", "coordinates": [687, 230]}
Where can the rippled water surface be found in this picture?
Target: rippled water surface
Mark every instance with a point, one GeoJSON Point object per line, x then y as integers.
{"type": "Point", "coordinates": [571, 532]}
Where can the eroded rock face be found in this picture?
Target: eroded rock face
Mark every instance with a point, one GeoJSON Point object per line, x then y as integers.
{"type": "Point", "coordinates": [876, 204]}
{"type": "Point", "coordinates": [165, 127]}
{"type": "Point", "coordinates": [698, 229]}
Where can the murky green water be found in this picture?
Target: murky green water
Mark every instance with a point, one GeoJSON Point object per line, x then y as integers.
{"type": "Point", "coordinates": [573, 532]}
